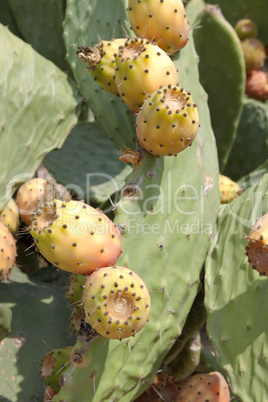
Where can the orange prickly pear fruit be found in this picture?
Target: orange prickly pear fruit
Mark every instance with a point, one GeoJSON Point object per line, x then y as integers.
{"type": "Point", "coordinates": [168, 121]}
{"type": "Point", "coordinates": [229, 189]}
{"type": "Point", "coordinates": [75, 237]}
{"type": "Point", "coordinates": [101, 62]}
{"type": "Point", "coordinates": [164, 22]}
{"type": "Point", "coordinates": [257, 245]}
{"type": "Point", "coordinates": [7, 252]}
{"type": "Point", "coordinates": [164, 388]}
{"type": "Point", "coordinates": [257, 85]}
{"type": "Point", "coordinates": [116, 302]}
{"type": "Point", "coordinates": [9, 216]}
{"type": "Point", "coordinates": [141, 68]}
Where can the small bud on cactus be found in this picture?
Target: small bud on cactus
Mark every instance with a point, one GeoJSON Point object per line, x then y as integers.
{"type": "Point", "coordinates": [246, 28]}
{"type": "Point", "coordinates": [101, 62]}
{"type": "Point", "coordinates": [205, 387]}
{"type": "Point", "coordinates": [7, 252]}
{"type": "Point", "coordinates": [31, 195]}
{"type": "Point", "coordinates": [75, 237]}
{"type": "Point", "coordinates": [9, 216]}
{"type": "Point", "coordinates": [167, 122]}
{"type": "Point", "coordinates": [257, 245]}
{"type": "Point", "coordinates": [229, 189]}
{"type": "Point", "coordinates": [254, 54]}
{"type": "Point", "coordinates": [116, 302]}
{"type": "Point", "coordinates": [141, 68]}
{"type": "Point", "coordinates": [257, 85]}
{"type": "Point", "coordinates": [163, 22]}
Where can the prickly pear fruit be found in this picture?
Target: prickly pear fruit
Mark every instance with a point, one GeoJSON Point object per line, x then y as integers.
{"type": "Point", "coordinates": [168, 121]}
{"type": "Point", "coordinates": [229, 189]}
{"type": "Point", "coordinates": [163, 22]}
{"type": "Point", "coordinates": [257, 85]}
{"type": "Point", "coordinates": [246, 28]}
{"type": "Point", "coordinates": [101, 62]}
{"type": "Point", "coordinates": [205, 387]}
{"type": "Point", "coordinates": [254, 53]}
{"type": "Point", "coordinates": [48, 394]}
{"type": "Point", "coordinates": [164, 388]}
{"type": "Point", "coordinates": [52, 365]}
{"type": "Point", "coordinates": [116, 302]}
{"type": "Point", "coordinates": [7, 252]}
{"type": "Point", "coordinates": [141, 68]}
{"type": "Point", "coordinates": [75, 237]}
{"type": "Point", "coordinates": [9, 216]}
{"type": "Point", "coordinates": [31, 195]}
{"type": "Point", "coordinates": [257, 245]}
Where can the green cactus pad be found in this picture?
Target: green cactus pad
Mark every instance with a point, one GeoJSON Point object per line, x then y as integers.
{"type": "Point", "coordinates": [222, 72]}
{"type": "Point", "coordinates": [84, 25]}
{"type": "Point", "coordinates": [236, 296]}
{"type": "Point", "coordinates": [40, 321]}
{"type": "Point", "coordinates": [53, 363]}
{"type": "Point", "coordinates": [5, 321]}
{"type": "Point", "coordinates": [37, 111]}
{"type": "Point", "coordinates": [92, 168]}
{"type": "Point", "coordinates": [165, 240]}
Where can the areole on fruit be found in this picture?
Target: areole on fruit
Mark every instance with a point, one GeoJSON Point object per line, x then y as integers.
{"type": "Point", "coordinates": [141, 68]}
{"type": "Point", "coordinates": [257, 245]}
{"type": "Point", "coordinates": [163, 22]}
{"type": "Point", "coordinates": [75, 236]}
{"type": "Point", "coordinates": [116, 302]}
{"type": "Point", "coordinates": [168, 121]}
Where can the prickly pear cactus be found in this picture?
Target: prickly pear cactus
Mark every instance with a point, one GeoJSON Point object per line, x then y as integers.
{"type": "Point", "coordinates": [168, 204]}
{"type": "Point", "coordinates": [235, 292]}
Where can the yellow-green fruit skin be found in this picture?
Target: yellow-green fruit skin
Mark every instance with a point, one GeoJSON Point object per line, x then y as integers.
{"type": "Point", "coordinates": [116, 302]}
{"type": "Point", "coordinates": [168, 121]}
{"type": "Point", "coordinates": [141, 68]}
{"type": "Point", "coordinates": [163, 22]}
{"type": "Point", "coordinates": [7, 252]}
{"type": "Point", "coordinates": [229, 189]}
{"type": "Point", "coordinates": [9, 216]}
{"type": "Point", "coordinates": [257, 245]}
{"type": "Point", "coordinates": [75, 236]}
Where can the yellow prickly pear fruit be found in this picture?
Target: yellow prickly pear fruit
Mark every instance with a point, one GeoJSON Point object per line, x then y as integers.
{"type": "Point", "coordinates": [116, 302]}
{"type": "Point", "coordinates": [162, 21]}
{"type": "Point", "coordinates": [101, 62]}
{"type": "Point", "coordinates": [167, 122]}
{"type": "Point", "coordinates": [257, 245]}
{"type": "Point", "coordinates": [141, 68]}
{"type": "Point", "coordinates": [229, 189]}
{"type": "Point", "coordinates": [9, 216]}
{"type": "Point", "coordinates": [7, 252]}
{"type": "Point", "coordinates": [31, 195]}
{"type": "Point", "coordinates": [75, 237]}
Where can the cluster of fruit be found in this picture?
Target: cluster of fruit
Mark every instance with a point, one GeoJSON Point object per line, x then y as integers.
{"type": "Point", "coordinates": [255, 56]}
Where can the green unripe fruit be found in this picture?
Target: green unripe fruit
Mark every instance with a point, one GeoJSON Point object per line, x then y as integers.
{"type": "Point", "coordinates": [246, 28]}
{"type": "Point", "coordinates": [116, 302]}
{"type": "Point", "coordinates": [167, 122]}
{"type": "Point", "coordinates": [162, 22]}
{"type": "Point", "coordinates": [254, 54]}
{"type": "Point", "coordinates": [75, 237]}
{"type": "Point", "coordinates": [101, 62]}
{"type": "Point", "coordinates": [141, 68]}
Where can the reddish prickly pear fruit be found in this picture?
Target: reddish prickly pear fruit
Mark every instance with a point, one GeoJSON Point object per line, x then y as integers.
{"type": "Point", "coordinates": [141, 68]}
{"type": "Point", "coordinates": [164, 388]}
{"type": "Point", "coordinates": [75, 237]}
{"type": "Point", "coordinates": [9, 216]}
{"type": "Point", "coordinates": [168, 121]}
{"type": "Point", "coordinates": [257, 85]}
{"type": "Point", "coordinates": [48, 394]}
{"type": "Point", "coordinates": [163, 22]}
{"type": "Point", "coordinates": [101, 62]}
{"type": "Point", "coordinates": [229, 189]}
{"type": "Point", "coordinates": [116, 302]}
{"type": "Point", "coordinates": [205, 387]}
{"type": "Point", "coordinates": [31, 195]}
{"type": "Point", "coordinates": [52, 365]}
{"type": "Point", "coordinates": [257, 245]}
{"type": "Point", "coordinates": [246, 28]}
{"type": "Point", "coordinates": [254, 53]}
{"type": "Point", "coordinates": [7, 252]}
